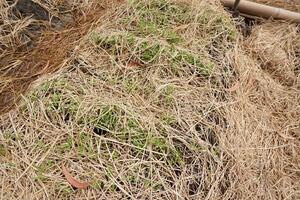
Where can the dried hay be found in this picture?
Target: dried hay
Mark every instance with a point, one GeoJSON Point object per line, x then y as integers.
{"type": "Point", "coordinates": [188, 109]}
{"type": "Point", "coordinates": [44, 51]}
{"type": "Point", "coordinates": [292, 5]}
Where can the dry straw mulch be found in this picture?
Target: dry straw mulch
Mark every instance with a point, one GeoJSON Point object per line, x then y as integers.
{"type": "Point", "coordinates": [159, 99]}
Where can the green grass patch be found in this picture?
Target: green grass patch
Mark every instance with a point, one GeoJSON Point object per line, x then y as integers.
{"type": "Point", "coordinates": [106, 118]}
{"type": "Point", "coordinates": [149, 35]}
{"type": "Point", "coordinates": [152, 52]}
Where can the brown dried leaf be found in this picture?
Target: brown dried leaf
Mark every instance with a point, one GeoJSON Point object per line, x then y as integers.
{"type": "Point", "coordinates": [72, 181]}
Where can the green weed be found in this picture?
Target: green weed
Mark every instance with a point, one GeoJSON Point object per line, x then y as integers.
{"type": "Point", "coordinates": [168, 119]}
{"type": "Point", "coordinates": [175, 158]}
{"type": "Point", "coordinates": [2, 150]}
{"type": "Point", "coordinates": [64, 190]}
{"type": "Point", "coordinates": [85, 146]}
{"type": "Point", "coordinates": [130, 85]}
{"type": "Point", "coordinates": [42, 169]}
{"type": "Point", "coordinates": [107, 118]}
{"type": "Point", "coordinates": [41, 144]}
{"type": "Point", "coordinates": [97, 184]}
{"type": "Point", "coordinates": [149, 52]}
{"type": "Point", "coordinates": [145, 27]}
{"type": "Point", "coordinates": [168, 94]}
{"type": "Point", "coordinates": [139, 140]}
{"type": "Point", "coordinates": [159, 144]}
{"type": "Point", "coordinates": [66, 146]}
{"type": "Point", "coordinates": [161, 12]}
{"type": "Point", "coordinates": [172, 37]}
{"type": "Point", "coordinates": [184, 58]}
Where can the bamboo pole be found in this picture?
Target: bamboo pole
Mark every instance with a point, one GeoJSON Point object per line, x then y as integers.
{"type": "Point", "coordinates": [259, 10]}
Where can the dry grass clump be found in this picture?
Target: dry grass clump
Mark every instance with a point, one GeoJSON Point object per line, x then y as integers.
{"type": "Point", "coordinates": [292, 5]}
{"type": "Point", "coordinates": [263, 122]}
{"type": "Point", "coordinates": [276, 46]}
{"type": "Point", "coordinates": [137, 115]}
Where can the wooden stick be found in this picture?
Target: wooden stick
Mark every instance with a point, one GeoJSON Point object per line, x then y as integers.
{"type": "Point", "coordinates": [259, 10]}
